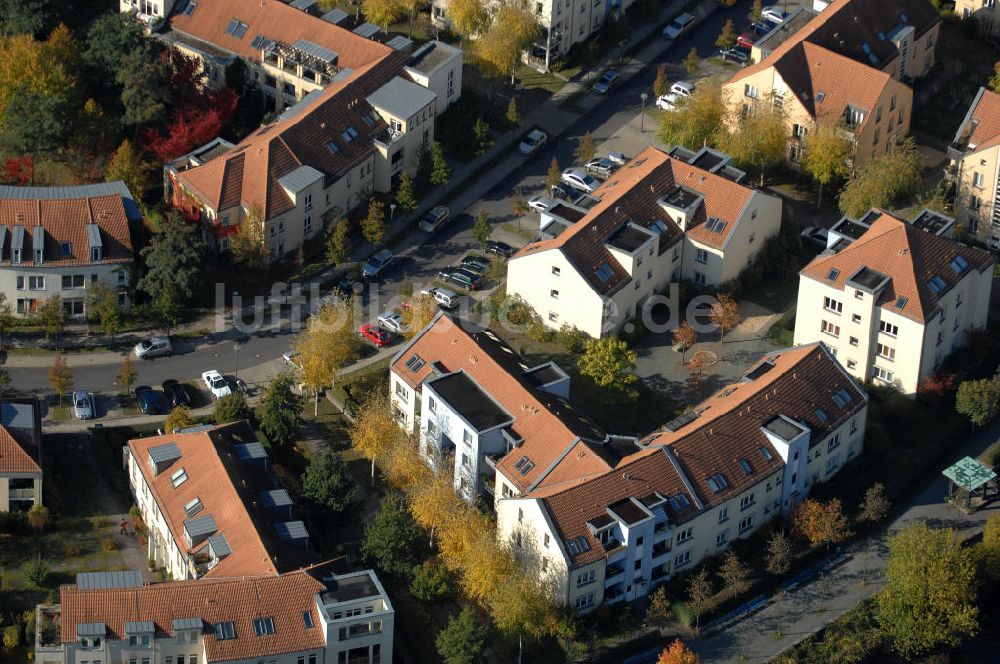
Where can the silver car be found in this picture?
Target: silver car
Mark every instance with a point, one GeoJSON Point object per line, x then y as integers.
{"type": "Point", "coordinates": [83, 405]}
{"type": "Point", "coordinates": [578, 179]}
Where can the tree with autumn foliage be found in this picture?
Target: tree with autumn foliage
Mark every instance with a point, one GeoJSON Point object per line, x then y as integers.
{"type": "Point", "coordinates": [249, 245]}
{"type": "Point", "coordinates": [661, 85]}
{"type": "Point", "coordinates": [19, 170]}
{"type": "Point", "coordinates": [373, 225]}
{"type": "Point", "coordinates": [61, 378]}
{"type": "Point", "coordinates": [326, 345]}
{"type": "Point", "coordinates": [128, 166]}
{"type": "Point", "coordinates": [821, 523]}
{"type": "Point", "coordinates": [511, 30]}
{"type": "Point", "coordinates": [725, 314]}
{"type": "Point", "coordinates": [374, 429]}
{"type": "Point", "coordinates": [677, 653]}
{"type": "Point", "coordinates": [684, 336]}
{"type": "Point", "coordinates": [421, 310]}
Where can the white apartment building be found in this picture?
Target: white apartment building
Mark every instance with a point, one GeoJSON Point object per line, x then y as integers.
{"type": "Point", "coordinates": [975, 160]}
{"type": "Point", "coordinates": [20, 454]}
{"type": "Point", "coordinates": [325, 155]}
{"type": "Point", "coordinates": [893, 298]}
{"type": "Point", "coordinates": [717, 473]}
{"type": "Point", "coordinates": [479, 409]}
{"type": "Point", "coordinates": [317, 615]}
{"type": "Point", "coordinates": [61, 240]}
{"type": "Point", "coordinates": [212, 506]}
{"type": "Point", "coordinates": [661, 218]}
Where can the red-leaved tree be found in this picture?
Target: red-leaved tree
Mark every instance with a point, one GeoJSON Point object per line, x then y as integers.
{"type": "Point", "coordinates": [19, 170]}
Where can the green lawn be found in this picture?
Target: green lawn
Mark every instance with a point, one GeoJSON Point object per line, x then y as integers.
{"type": "Point", "coordinates": [530, 78]}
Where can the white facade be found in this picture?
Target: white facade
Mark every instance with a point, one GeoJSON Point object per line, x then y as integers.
{"type": "Point", "coordinates": [28, 287]}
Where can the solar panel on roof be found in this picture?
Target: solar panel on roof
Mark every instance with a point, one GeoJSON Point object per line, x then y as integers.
{"type": "Point", "coordinates": [334, 16]}
{"type": "Point", "coordinates": [97, 580]}
{"type": "Point", "coordinates": [186, 623]}
{"type": "Point", "coordinates": [291, 530]}
{"type": "Point", "coordinates": [678, 422]}
{"type": "Point", "coordinates": [315, 50]}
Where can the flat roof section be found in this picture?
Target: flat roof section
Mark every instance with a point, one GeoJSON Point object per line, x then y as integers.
{"type": "Point", "coordinates": [468, 400]}
{"type": "Point", "coordinates": [849, 228]}
{"type": "Point", "coordinates": [868, 279]}
{"type": "Point", "coordinates": [350, 589]}
{"type": "Point", "coordinates": [784, 428]}
{"type": "Point", "coordinates": [628, 238]}
{"type": "Point", "coordinates": [628, 511]}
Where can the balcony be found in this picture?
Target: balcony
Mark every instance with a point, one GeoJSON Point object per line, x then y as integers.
{"type": "Point", "coordinates": [662, 528]}
{"type": "Point", "coordinates": [388, 137]}
{"type": "Point", "coordinates": [492, 460]}
{"type": "Point", "coordinates": [612, 545]}
{"type": "Point", "coordinates": [22, 494]}
{"type": "Point", "coordinates": [48, 618]}
{"type": "Point", "coordinates": [613, 571]}
{"type": "Point", "coordinates": [615, 594]}
{"type": "Point", "coordinates": [661, 549]}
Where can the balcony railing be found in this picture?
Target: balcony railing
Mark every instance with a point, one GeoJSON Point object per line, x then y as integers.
{"type": "Point", "coordinates": [22, 494]}
{"type": "Point", "coordinates": [613, 571]}
{"type": "Point", "coordinates": [661, 549]}
{"type": "Point", "coordinates": [612, 544]}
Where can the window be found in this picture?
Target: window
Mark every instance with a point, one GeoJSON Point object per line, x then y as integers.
{"type": "Point", "coordinates": [637, 565]}
{"type": "Point", "coordinates": [746, 501]}
{"type": "Point", "coordinates": [431, 404]}
{"type": "Point", "coordinates": [554, 294]}
{"type": "Point", "coordinates": [72, 281]}
{"type": "Point", "coordinates": [888, 328]}
{"type": "Point", "coordinates": [225, 631]}
{"type": "Point", "coordinates": [553, 316]}
{"type": "Point", "coordinates": [262, 626]}
{"type": "Point", "coordinates": [833, 442]}
{"type": "Point", "coordinates": [888, 352]}
{"type": "Point", "coordinates": [307, 224]}
{"type": "Point", "coordinates": [833, 305]}
{"type": "Point", "coordinates": [685, 535]}
{"type": "Point", "coordinates": [750, 91]}
{"type": "Point", "coordinates": [831, 329]}
{"type": "Point", "coordinates": [545, 542]}
{"type": "Point", "coordinates": [720, 539]}
{"type": "Point", "coordinates": [858, 294]}
{"type": "Point", "coordinates": [179, 477]}
{"type": "Point", "coordinates": [854, 341]}
{"type": "Point", "coordinates": [701, 256]}
{"type": "Point", "coordinates": [682, 559]}
{"type": "Point", "coordinates": [307, 620]}
{"type": "Point", "coordinates": [974, 202]}
{"type": "Point", "coordinates": [584, 601]}
{"type": "Point", "coordinates": [978, 181]}
{"type": "Point", "coordinates": [723, 515]}
{"type": "Point", "coordinates": [855, 318]}
{"type": "Point", "coordinates": [36, 283]}
{"type": "Point", "coordinates": [699, 279]}
{"type": "Point", "coordinates": [746, 524]}
{"type": "Point", "coordinates": [883, 374]}
{"type": "Point", "coordinates": [584, 578]}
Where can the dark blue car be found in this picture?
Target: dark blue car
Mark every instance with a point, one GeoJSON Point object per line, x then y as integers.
{"type": "Point", "coordinates": [150, 401]}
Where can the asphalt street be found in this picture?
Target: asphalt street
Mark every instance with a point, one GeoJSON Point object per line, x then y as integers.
{"type": "Point", "coordinates": [260, 351]}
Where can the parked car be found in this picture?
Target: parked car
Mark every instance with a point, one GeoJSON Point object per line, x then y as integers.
{"type": "Point", "coordinates": [678, 91]}
{"type": "Point", "coordinates": [434, 219]}
{"type": "Point", "coordinates": [149, 401]}
{"type": "Point", "coordinates": [534, 140]}
{"type": "Point", "coordinates": [374, 336]}
{"type": "Point", "coordinates": [608, 80]}
{"type": "Point", "coordinates": [774, 14]}
{"type": "Point", "coordinates": [83, 405]}
{"type": "Point", "coordinates": [377, 264]}
{"type": "Point", "coordinates": [678, 26]}
{"type": "Point", "coordinates": [291, 359]}
{"type": "Point", "coordinates": [343, 288]}
{"type": "Point", "coordinates": [501, 249]}
{"type": "Point", "coordinates": [176, 393]}
{"type": "Point", "coordinates": [461, 277]}
{"type": "Point", "coordinates": [617, 158]}
{"type": "Point", "coordinates": [578, 179]}
{"type": "Point", "coordinates": [738, 54]}
{"type": "Point", "coordinates": [474, 263]}
{"type": "Point", "coordinates": [541, 203]}
{"type": "Point", "coordinates": [216, 384]}
{"type": "Point", "coordinates": [153, 347]}
{"type": "Point", "coordinates": [815, 236]}
{"type": "Point", "coordinates": [445, 298]}
{"type": "Point", "coordinates": [392, 322]}
{"type": "Point", "coordinates": [600, 166]}
{"type": "Point", "coordinates": [761, 27]}
{"type": "Point", "coordinates": [560, 192]}
{"type": "Point", "coordinates": [747, 39]}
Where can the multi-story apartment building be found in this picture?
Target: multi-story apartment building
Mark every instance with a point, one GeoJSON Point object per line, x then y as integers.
{"type": "Point", "coordinates": [975, 162]}
{"type": "Point", "coordinates": [212, 505]}
{"type": "Point", "coordinates": [716, 474]}
{"type": "Point", "coordinates": [984, 11]}
{"type": "Point", "coordinates": [663, 217]}
{"type": "Point", "coordinates": [317, 615]}
{"type": "Point", "coordinates": [60, 240]}
{"type": "Point", "coordinates": [20, 454]}
{"type": "Point", "coordinates": [325, 155]}
{"type": "Point", "coordinates": [850, 63]}
{"type": "Point", "coordinates": [478, 407]}
{"type": "Point", "coordinates": [893, 298]}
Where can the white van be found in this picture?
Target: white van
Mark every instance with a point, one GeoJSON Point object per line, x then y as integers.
{"type": "Point", "coordinates": [153, 347]}
{"type": "Point", "coordinates": [445, 298]}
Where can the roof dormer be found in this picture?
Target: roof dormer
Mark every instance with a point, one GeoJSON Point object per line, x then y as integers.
{"type": "Point", "coordinates": [96, 244]}
{"type": "Point", "coordinates": [38, 244]}
{"type": "Point", "coordinates": [680, 204]}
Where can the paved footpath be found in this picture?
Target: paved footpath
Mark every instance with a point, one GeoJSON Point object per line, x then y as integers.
{"type": "Point", "coordinates": [793, 617]}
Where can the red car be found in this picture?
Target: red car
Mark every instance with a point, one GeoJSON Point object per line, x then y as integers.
{"type": "Point", "coordinates": [375, 336]}
{"type": "Point", "coordinates": [746, 39]}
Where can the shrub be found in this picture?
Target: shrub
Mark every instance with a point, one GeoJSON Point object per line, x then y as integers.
{"type": "Point", "coordinates": [518, 311]}
{"type": "Point", "coordinates": [11, 636]}
{"type": "Point", "coordinates": [38, 517]}
{"type": "Point", "coordinates": [36, 571]}
{"type": "Point", "coordinates": [431, 581]}
{"type": "Point", "coordinates": [108, 545]}
{"type": "Point", "coordinates": [539, 331]}
{"type": "Point", "coordinates": [71, 550]}
{"type": "Point", "coordinates": [571, 339]}
{"type": "Point", "coordinates": [14, 523]}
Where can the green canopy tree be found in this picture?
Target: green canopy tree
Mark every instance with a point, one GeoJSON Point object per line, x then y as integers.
{"type": "Point", "coordinates": [610, 363]}
{"type": "Point", "coordinates": [61, 377]}
{"type": "Point", "coordinates": [883, 180]}
{"type": "Point", "coordinates": [661, 84]}
{"type": "Point", "coordinates": [232, 408]}
{"type": "Point", "coordinates": [174, 261]}
{"type": "Point", "coordinates": [481, 229]}
{"type": "Point", "coordinates": [697, 121]}
{"type": "Point", "coordinates": [929, 599]}
{"type": "Point", "coordinates": [513, 116]}
{"type": "Point", "coordinates": [128, 166]}
{"type": "Point", "coordinates": [979, 400]}
{"type": "Point", "coordinates": [328, 484]}
{"type": "Point", "coordinates": [102, 305]}
{"type": "Point", "coordinates": [468, 17]}
{"type": "Point", "coordinates": [249, 244]}
{"type": "Point", "coordinates": [373, 226]}
{"type": "Point", "coordinates": [463, 640]}
{"type": "Point", "coordinates": [554, 175]}
{"type": "Point", "coordinates": [760, 139]}
{"type": "Point", "coordinates": [338, 246]}
{"type": "Point", "coordinates": [511, 31]}
{"type": "Point", "coordinates": [727, 38]}
{"type": "Point", "coordinates": [280, 410]}
{"type": "Point", "coordinates": [440, 173]}
{"type": "Point", "coordinates": [383, 13]}
{"type": "Point", "coordinates": [394, 543]}
{"type": "Point", "coordinates": [405, 196]}
{"type": "Point", "coordinates": [484, 140]}
{"type": "Point", "coordinates": [6, 318]}
{"type": "Point", "coordinates": [52, 316]}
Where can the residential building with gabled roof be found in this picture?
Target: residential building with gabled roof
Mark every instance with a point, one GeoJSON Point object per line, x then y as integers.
{"type": "Point", "coordinates": [983, 11]}
{"type": "Point", "coordinates": [321, 614]}
{"type": "Point", "coordinates": [748, 454]}
{"type": "Point", "coordinates": [60, 240]}
{"type": "Point", "coordinates": [848, 63]}
{"type": "Point", "coordinates": [975, 169]}
{"type": "Point", "coordinates": [20, 454]}
{"type": "Point", "coordinates": [212, 505]}
{"type": "Point", "coordinates": [662, 217]}
{"type": "Point", "coordinates": [893, 298]}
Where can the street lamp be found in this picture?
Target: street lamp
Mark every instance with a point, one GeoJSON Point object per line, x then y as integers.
{"type": "Point", "coordinates": [392, 212]}
{"type": "Point", "coordinates": [236, 350]}
{"type": "Point", "coordinates": [642, 114]}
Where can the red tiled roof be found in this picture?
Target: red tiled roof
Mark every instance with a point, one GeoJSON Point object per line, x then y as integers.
{"type": "Point", "coordinates": [65, 220]}
{"type": "Point", "coordinates": [276, 21]}
{"type": "Point", "coordinates": [984, 117]}
{"type": "Point", "coordinates": [228, 489]}
{"type": "Point", "coordinates": [283, 598]}
{"type": "Point", "coordinates": [727, 429]}
{"type": "Point", "coordinates": [631, 195]}
{"type": "Point", "coordinates": [548, 425]}
{"type": "Point", "coordinates": [911, 257]}
{"type": "Point", "coordinates": [250, 172]}
{"type": "Point", "coordinates": [13, 457]}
